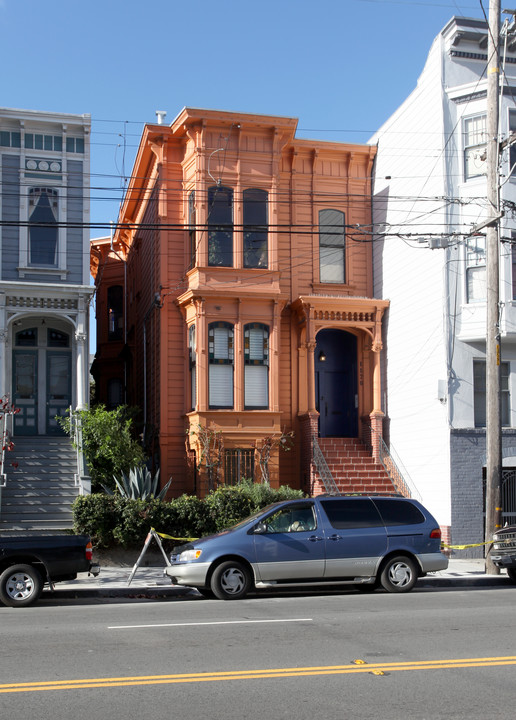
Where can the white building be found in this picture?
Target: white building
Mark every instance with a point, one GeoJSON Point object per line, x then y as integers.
{"type": "Point", "coordinates": [429, 193]}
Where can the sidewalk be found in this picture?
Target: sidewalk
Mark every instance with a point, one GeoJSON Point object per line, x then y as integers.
{"type": "Point", "coordinates": [150, 582]}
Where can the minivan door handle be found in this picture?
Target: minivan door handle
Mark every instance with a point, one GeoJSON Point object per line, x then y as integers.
{"type": "Point", "coordinates": [314, 538]}
{"type": "Point", "coordinates": [335, 537]}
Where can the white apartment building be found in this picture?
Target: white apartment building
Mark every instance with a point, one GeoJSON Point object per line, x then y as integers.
{"type": "Point", "coordinates": [429, 194]}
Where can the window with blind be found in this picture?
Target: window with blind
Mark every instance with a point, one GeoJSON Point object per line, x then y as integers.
{"type": "Point", "coordinates": [220, 351]}
{"type": "Point", "coordinates": [220, 226]}
{"type": "Point", "coordinates": [332, 246]}
{"type": "Point", "coordinates": [193, 366]}
{"type": "Point", "coordinates": [255, 228]}
{"type": "Point", "coordinates": [256, 360]}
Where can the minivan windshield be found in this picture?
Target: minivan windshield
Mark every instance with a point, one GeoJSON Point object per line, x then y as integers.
{"type": "Point", "coordinates": [253, 517]}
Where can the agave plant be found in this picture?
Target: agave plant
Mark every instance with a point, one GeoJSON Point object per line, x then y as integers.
{"type": "Point", "coordinates": [139, 485]}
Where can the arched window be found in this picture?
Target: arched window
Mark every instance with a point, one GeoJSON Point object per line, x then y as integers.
{"type": "Point", "coordinates": [191, 228]}
{"type": "Point", "coordinates": [256, 359]}
{"type": "Point", "coordinates": [255, 228]}
{"type": "Point", "coordinates": [43, 212]}
{"type": "Point", "coordinates": [115, 302]}
{"type": "Point", "coordinates": [220, 351]}
{"type": "Point", "coordinates": [220, 226]}
{"type": "Point", "coordinates": [332, 246]}
{"type": "Point", "coordinates": [193, 366]}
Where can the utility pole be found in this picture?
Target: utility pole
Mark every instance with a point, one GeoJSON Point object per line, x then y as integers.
{"type": "Point", "coordinates": [493, 400]}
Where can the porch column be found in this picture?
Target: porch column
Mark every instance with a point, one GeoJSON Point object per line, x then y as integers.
{"type": "Point", "coordinates": [310, 356]}
{"type": "Point", "coordinates": [3, 347]}
{"type": "Point", "coordinates": [81, 371]}
{"type": "Point", "coordinates": [376, 416]}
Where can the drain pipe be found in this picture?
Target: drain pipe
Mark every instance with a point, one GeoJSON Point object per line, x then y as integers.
{"type": "Point", "coordinates": [156, 303]}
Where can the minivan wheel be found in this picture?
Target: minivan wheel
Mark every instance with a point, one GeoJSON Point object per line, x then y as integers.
{"type": "Point", "coordinates": [231, 580]}
{"type": "Point", "coordinates": [399, 574]}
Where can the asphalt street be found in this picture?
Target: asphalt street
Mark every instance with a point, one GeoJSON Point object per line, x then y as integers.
{"type": "Point", "coordinates": [438, 652]}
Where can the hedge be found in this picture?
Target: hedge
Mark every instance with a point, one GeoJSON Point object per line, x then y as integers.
{"type": "Point", "coordinates": [114, 520]}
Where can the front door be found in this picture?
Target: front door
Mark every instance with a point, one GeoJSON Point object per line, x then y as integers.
{"type": "Point", "coordinates": [58, 389]}
{"type": "Point", "coordinates": [42, 378]}
{"type": "Point", "coordinates": [25, 383]}
{"type": "Point", "coordinates": [336, 383]}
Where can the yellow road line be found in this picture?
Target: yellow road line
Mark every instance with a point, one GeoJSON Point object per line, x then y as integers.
{"type": "Point", "coordinates": [352, 669]}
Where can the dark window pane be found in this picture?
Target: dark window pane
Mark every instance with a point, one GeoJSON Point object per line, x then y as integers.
{"type": "Point", "coordinates": [220, 226]}
{"type": "Point", "coordinates": [70, 145]}
{"type": "Point", "coordinates": [5, 138]}
{"type": "Point", "coordinates": [58, 143]}
{"type": "Point", "coordinates": [48, 142]}
{"type": "Point", "coordinates": [43, 237]}
{"type": "Point", "coordinates": [27, 338]}
{"type": "Point", "coordinates": [351, 513]}
{"type": "Point", "coordinates": [16, 139]}
{"type": "Point", "coordinates": [115, 312]}
{"type": "Point", "coordinates": [29, 140]}
{"type": "Point", "coordinates": [79, 145]}
{"type": "Point", "coordinates": [55, 338]}
{"type": "Point", "coordinates": [398, 512]}
{"type": "Point", "coordinates": [38, 142]}
{"type": "Point", "coordinates": [255, 228]}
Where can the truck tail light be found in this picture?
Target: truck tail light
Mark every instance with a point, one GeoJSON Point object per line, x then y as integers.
{"type": "Point", "coordinates": [89, 551]}
{"type": "Point", "coordinates": [436, 533]}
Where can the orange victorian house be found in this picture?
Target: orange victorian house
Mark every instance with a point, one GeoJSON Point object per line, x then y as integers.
{"type": "Point", "coordinates": [236, 296]}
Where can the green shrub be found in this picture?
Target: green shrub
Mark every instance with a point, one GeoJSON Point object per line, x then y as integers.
{"type": "Point", "coordinates": [109, 446]}
{"type": "Point", "coordinates": [113, 519]}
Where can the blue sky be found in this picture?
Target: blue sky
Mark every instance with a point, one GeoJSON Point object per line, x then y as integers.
{"type": "Point", "coordinates": [340, 66]}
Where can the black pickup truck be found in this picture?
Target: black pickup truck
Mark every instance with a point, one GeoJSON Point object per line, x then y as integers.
{"type": "Point", "coordinates": [28, 562]}
{"type": "Point", "coordinates": [503, 551]}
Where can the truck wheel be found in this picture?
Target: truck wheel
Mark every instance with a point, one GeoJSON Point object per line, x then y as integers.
{"type": "Point", "coordinates": [511, 572]}
{"type": "Point", "coordinates": [20, 585]}
{"type": "Point", "coordinates": [231, 581]}
{"type": "Point", "coordinates": [399, 574]}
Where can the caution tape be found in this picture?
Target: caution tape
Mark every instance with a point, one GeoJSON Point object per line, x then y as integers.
{"type": "Point", "coordinates": [472, 545]}
{"type": "Point", "coordinates": [171, 537]}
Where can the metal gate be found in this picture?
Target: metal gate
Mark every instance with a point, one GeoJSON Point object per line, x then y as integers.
{"type": "Point", "coordinates": [508, 496]}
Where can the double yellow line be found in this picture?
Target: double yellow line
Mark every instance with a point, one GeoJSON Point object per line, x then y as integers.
{"type": "Point", "coordinates": [356, 667]}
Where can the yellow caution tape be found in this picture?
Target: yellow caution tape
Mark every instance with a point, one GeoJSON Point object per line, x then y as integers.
{"type": "Point", "coordinates": [471, 545]}
{"type": "Point", "coordinates": [171, 537]}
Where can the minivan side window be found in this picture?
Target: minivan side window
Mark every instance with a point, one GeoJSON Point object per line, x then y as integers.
{"type": "Point", "coordinates": [351, 513]}
{"type": "Point", "coordinates": [398, 512]}
{"type": "Point", "coordinates": [291, 519]}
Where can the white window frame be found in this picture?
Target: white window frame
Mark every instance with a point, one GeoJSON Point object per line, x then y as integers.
{"type": "Point", "coordinates": [475, 259]}
{"type": "Point", "coordinates": [474, 139]}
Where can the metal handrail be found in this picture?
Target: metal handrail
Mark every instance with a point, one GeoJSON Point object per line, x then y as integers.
{"type": "Point", "coordinates": [396, 470]}
{"type": "Point", "coordinates": [322, 468]}
{"type": "Point", "coordinates": [76, 435]}
{"type": "Point", "coordinates": [6, 422]}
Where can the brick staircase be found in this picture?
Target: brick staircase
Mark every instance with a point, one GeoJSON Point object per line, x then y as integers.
{"type": "Point", "coordinates": [352, 467]}
{"type": "Point", "coordinates": [40, 490]}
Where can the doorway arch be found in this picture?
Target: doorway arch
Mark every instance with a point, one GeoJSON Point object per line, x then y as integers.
{"type": "Point", "coordinates": [336, 383]}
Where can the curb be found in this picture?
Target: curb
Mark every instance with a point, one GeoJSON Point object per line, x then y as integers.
{"type": "Point", "coordinates": [156, 592]}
